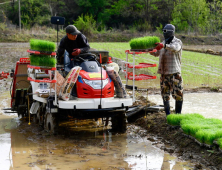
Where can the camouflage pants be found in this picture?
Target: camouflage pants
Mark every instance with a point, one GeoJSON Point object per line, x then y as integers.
{"type": "Point", "coordinates": [171, 83]}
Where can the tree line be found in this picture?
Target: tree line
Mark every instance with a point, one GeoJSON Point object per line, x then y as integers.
{"type": "Point", "coordinates": [189, 16]}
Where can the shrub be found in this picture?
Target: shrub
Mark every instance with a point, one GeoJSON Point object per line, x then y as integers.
{"type": "Point", "coordinates": [86, 24]}
{"type": "Point", "coordinates": [3, 26]}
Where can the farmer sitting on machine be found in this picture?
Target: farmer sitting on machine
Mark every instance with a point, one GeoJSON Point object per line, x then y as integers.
{"type": "Point", "coordinates": [71, 45]}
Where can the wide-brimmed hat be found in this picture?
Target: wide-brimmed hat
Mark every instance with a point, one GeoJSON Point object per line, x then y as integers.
{"type": "Point", "coordinates": [71, 29]}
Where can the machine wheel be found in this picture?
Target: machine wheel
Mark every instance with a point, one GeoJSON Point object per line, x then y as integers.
{"type": "Point", "coordinates": [35, 119]}
{"type": "Point", "coordinates": [51, 123]}
{"type": "Point", "coordinates": [40, 116]}
{"type": "Point", "coordinates": [119, 122]}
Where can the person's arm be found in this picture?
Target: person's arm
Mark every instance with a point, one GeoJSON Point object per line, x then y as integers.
{"type": "Point", "coordinates": [61, 50]}
{"type": "Point", "coordinates": [83, 43]}
{"type": "Point", "coordinates": [174, 46]}
{"type": "Point", "coordinates": [156, 54]}
{"type": "Point", "coordinates": [156, 51]}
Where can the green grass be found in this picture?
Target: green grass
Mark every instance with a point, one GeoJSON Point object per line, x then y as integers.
{"type": "Point", "coordinates": [144, 42]}
{"type": "Point", "coordinates": [42, 45]}
{"type": "Point", "coordinates": [198, 69]}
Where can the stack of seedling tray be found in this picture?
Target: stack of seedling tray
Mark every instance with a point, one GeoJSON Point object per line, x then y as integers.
{"type": "Point", "coordinates": [205, 131]}
{"type": "Point", "coordinates": [42, 53]}
{"type": "Point", "coordinates": [144, 44]}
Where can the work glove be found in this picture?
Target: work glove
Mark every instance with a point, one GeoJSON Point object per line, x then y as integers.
{"type": "Point", "coordinates": [76, 52]}
{"type": "Point", "coordinates": [153, 51]}
{"type": "Point", "coordinates": [159, 46]}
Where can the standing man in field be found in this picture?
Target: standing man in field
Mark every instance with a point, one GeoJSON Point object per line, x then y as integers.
{"type": "Point", "coordinates": [169, 53]}
{"type": "Point", "coordinates": [71, 45]}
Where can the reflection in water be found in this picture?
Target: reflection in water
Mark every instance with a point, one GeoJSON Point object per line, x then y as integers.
{"type": "Point", "coordinates": [97, 148]}
{"type": "Point", "coordinates": [207, 104]}
{"type": "Point", "coordinates": [5, 147]}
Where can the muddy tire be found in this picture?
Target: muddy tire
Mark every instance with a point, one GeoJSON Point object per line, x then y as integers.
{"type": "Point", "coordinates": [119, 122]}
{"type": "Point", "coordinates": [51, 123]}
{"type": "Point", "coordinates": [40, 116]}
{"type": "Point", "coordinates": [35, 119]}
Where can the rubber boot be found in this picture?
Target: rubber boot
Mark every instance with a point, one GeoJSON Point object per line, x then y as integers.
{"type": "Point", "coordinates": [167, 107]}
{"type": "Point", "coordinates": [178, 107]}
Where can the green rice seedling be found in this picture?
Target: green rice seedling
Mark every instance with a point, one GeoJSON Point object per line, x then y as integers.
{"type": "Point", "coordinates": [219, 133]}
{"type": "Point", "coordinates": [175, 119]}
{"type": "Point", "coordinates": [42, 60]}
{"type": "Point", "coordinates": [192, 116]}
{"type": "Point", "coordinates": [191, 126]}
{"type": "Point", "coordinates": [208, 135]}
{"type": "Point", "coordinates": [47, 61]}
{"type": "Point", "coordinates": [42, 45]}
{"type": "Point", "coordinates": [34, 60]}
{"type": "Point", "coordinates": [144, 42]}
{"type": "Point", "coordinates": [200, 135]}
{"type": "Point", "coordinates": [186, 128]}
{"type": "Point", "coordinates": [51, 62]}
{"type": "Point", "coordinates": [196, 127]}
{"type": "Point", "coordinates": [214, 121]}
{"type": "Point", "coordinates": [219, 142]}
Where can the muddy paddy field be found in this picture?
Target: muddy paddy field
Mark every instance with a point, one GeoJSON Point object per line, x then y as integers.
{"type": "Point", "coordinates": [149, 143]}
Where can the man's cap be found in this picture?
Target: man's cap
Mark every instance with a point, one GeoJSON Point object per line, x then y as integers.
{"type": "Point", "coordinates": [71, 29]}
{"type": "Point", "coordinates": [169, 27]}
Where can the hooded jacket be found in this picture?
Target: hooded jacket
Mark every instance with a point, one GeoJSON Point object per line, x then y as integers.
{"type": "Point", "coordinates": [81, 42]}
{"type": "Point", "coordinates": [170, 57]}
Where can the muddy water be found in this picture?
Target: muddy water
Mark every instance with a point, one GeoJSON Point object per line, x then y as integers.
{"type": "Point", "coordinates": [207, 104]}
{"type": "Point", "coordinates": [84, 145]}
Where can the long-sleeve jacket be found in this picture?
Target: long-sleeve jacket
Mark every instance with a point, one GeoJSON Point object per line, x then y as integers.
{"type": "Point", "coordinates": [81, 42]}
{"type": "Point", "coordinates": [170, 57]}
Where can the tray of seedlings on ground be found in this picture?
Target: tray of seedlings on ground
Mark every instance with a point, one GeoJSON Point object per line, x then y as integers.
{"type": "Point", "coordinates": [219, 143]}
{"type": "Point", "coordinates": [144, 44]}
{"type": "Point", "coordinates": [42, 53]}
{"type": "Point", "coordinates": [204, 131]}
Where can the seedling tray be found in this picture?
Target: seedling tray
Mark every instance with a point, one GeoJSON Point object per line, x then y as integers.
{"type": "Point", "coordinates": [41, 52]}
{"type": "Point", "coordinates": [41, 67]}
{"type": "Point", "coordinates": [142, 50]}
{"type": "Point", "coordinates": [141, 77]}
{"type": "Point", "coordinates": [141, 65]}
